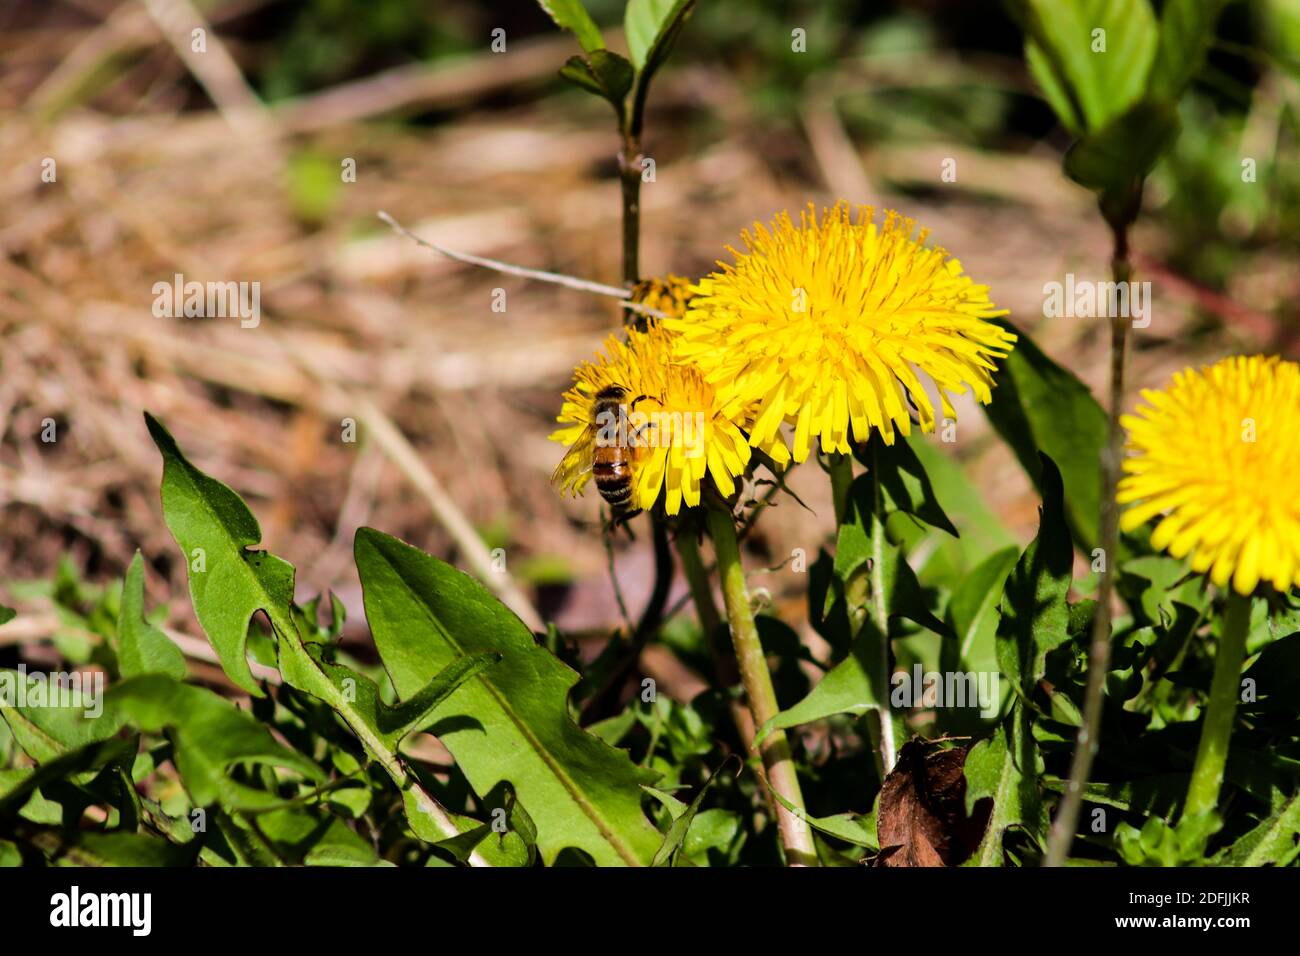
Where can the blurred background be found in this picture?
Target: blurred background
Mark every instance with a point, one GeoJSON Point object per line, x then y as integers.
{"type": "Point", "coordinates": [228, 165]}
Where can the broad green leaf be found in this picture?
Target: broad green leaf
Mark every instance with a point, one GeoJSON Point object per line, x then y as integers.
{"type": "Point", "coordinates": [82, 765]}
{"type": "Point", "coordinates": [573, 16]}
{"type": "Point", "coordinates": [1160, 795]}
{"type": "Point", "coordinates": [1186, 31]}
{"type": "Point", "coordinates": [45, 729]}
{"type": "Point", "coordinates": [1102, 84]}
{"type": "Point", "coordinates": [7, 614]}
{"type": "Point", "coordinates": [1116, 158]}
{"type": "Point", "coordinates": [847, 688]}
{"type": "Point", "coordinates": [859, 682]}
{"type": "Point", "coordinates": [862, 547]}
{"type": "Point", "coordinates": [856, 828]}
{"type": "Point", "coordinates": [392, 724]}
{"type": "Point", "coordinates": [1035, 610]}
{"type": "Point", "coordinates": [1275, 842]}
{"type": "Point", "coordinates": [715, 829]}
{"type": "Point", "coordinates": [87, 848]}
{"type": "Point", "coordinates": [141, 647]}
{"type": "Point", "coordinates": [606, 74]}
{"type": "Point", "coordinates": [651, 27]}
{"type": "Point", "coordinates": [1040, 406]}
{"type": "Point", "coordinates": [9, 854]}
{"type": "Point", "coordinates": [340, 846]}
{"type": "Point", "coordinates": [973, 615]}
{"type": "Point", "coordinates": [982, 532]}
{"type": "Point", "coordinates": [229, 583]}
{"type": "Point", "coordinates": [1005, 768]}
{"type": "Point", "coordinates": [1053, 86]}
{"type": "Point", "coordinates": [211, 736]}
{"type": "Point", "coordinates": [511, 722]}
{"type": "Point", "coordinates": [903, 482]}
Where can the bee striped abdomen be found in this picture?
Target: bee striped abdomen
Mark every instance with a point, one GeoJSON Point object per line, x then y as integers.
{"type": "Point", "coordinates": [613, 474]}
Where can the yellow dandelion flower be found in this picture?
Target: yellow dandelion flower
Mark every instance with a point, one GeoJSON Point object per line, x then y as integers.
{"type": "Point", "coordinates": [1217, 454]}
{"type": "Point", "coordinates": [669, 431]}
{"type": "Point", "coordinates": [825, 325]}
{"type": "Point", "coordinates": [668, 295]}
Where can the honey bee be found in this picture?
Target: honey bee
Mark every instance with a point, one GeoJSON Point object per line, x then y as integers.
{"type": "Point", "coordinates": [610, 445]}
{"type": "Point", "coordinates": [612, 460]}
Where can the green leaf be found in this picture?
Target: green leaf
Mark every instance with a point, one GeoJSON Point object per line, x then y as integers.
{"type": "Point", "coordinates": [606, 74]}
{"type": "Point", "coordinates": [1040, 406]}
{"type": "Point", "coordinates": [973, 615]}
{"type": "Point", "coordinates": [7, 614]}
{"type": "Point", "coordinates": [1186, 31]}
{"type": "Point", "coordinates": [141, 647]}
{"type": "Point", "coordinates": [1274, 842]}
{"type": "Point", "coordinates": [1035, 610]}
{"type": "Point", "coordinates": [847, 688]}
{"type": "Point", "coordinates": [77, 767]}
{"type": "Point", "coordinates": [1006, 768]}
{"type": "Point", "coordinates": [229, 583]}
{"type": "Point", "coordinates": [982, 532]}
{"type": "Point", "coordinates": [511, 722]}
{"type": "Point", "coordinates": [210, 737]}
{"type": "Point", "coordinates": [45, 732]}
{"type": "Point", "coordinates": [123, 849]}
{"type": "Point", "coordinates": [859, 682]}
{"type": "Point", "coordinates": [573, 16]}
{"type": "Point", "coordinates": [1115, 159]}
{"type": "Point", "coordinates": [670, 850]}
{"type": "Point", "coordinates": [651, 27]}
{"type": "Point", "coordinates": [903, 482]}
{"type": "Point", "coordinates": [858, 829]}
{"type": "Point", "coordinates": [1100, 85]}
{"type": "Point", "coordinates": [340, 846]}
{"type": "Point", "coordinates": [1160, 795]}
{"type": "Point", "coordinates": [861, 545]}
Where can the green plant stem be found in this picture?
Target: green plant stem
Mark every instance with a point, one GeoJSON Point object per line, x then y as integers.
{"type": "Point", "coordinates": [688, 552]}
{"type": "Point", "coordinates": [796, 837]}
{"type": "Point", "coordinates": [881, 731]}
{"type": "Point", "coordinates": [1088, 738]}
{"type": "Point", "coordinates": [1225, 689]}
{"type": "Point", "coordinates": [724, 664]}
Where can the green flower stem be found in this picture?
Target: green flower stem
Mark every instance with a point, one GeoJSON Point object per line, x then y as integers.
{"type": "Point", "coordinates": [1225, 689]}
{"type": "Point", "coordinates": [688, 552]}
{"type": "Point", "coordinates": [796, 837]}
{"type": "Point", "coordinates": [724, 664]}
{"type": "Point", "coordinates": [881, 732]}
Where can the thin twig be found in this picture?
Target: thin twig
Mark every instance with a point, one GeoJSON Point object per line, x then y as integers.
{"type": "Point", "coordinates": [555, 278]}
{"type": "Point", "coordinates": [1088, 738]}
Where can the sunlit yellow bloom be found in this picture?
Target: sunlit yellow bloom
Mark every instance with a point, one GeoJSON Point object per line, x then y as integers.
{"type": "Point", "coordinates": [825, 325]}
{"type": "Point", "coordinates": [668, 295]}
{"type": "Point", "coordinates": [676, 432]}
{"type": "Point", "coordinates": [1217, 455]}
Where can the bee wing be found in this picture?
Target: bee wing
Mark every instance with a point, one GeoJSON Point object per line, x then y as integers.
{"type": "Point", "coordinates": [577, 461]}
